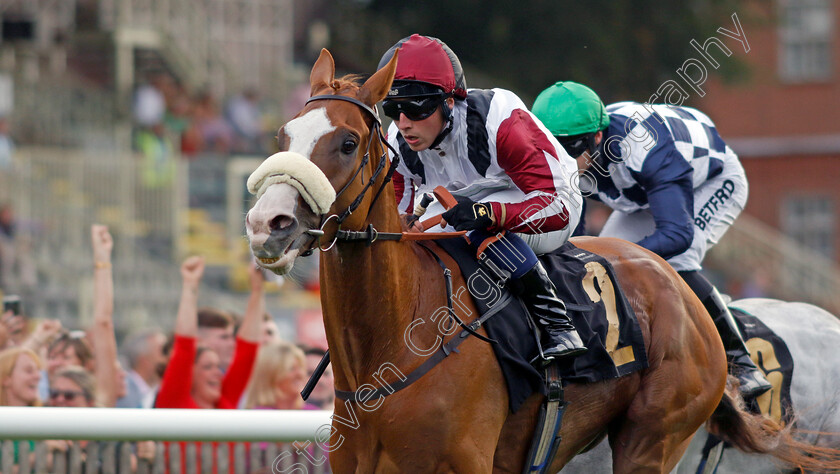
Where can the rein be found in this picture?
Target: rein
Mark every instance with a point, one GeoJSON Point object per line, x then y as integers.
{"type": "Point", "coordinates": [369, 235]}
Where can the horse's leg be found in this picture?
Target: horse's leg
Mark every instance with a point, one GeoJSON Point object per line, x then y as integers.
{"type": "Point", "coordinates": [516, 437]}
{"type": "Point", "coordinates": [589, 410]}
{"type": "Point", "coordinates": [447, 421]}
{"type": "Point", "coordinates": [656, 430]}
{"type": "Point", "coordinates": [684, 381]}
{"type": "Point", "coordinates": [678, 392]}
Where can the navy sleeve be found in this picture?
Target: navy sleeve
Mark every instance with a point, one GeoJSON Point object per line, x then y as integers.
{"type": "Point", "coordinates": [672, 207]}
{"type": "Point", "coordinates": [666, 178]}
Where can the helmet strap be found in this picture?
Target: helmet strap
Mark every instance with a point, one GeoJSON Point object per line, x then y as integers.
{"type": "Point", "coordinates": [447, 116]}
{"type": "Point", "coordinates": [591, 145]}
{"type": "Point", "coordinates": [598, 153]}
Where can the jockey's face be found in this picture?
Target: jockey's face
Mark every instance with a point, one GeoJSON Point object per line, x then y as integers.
{"type": "Point", "coordinates": [584, 160]}
{"type": "Point", "coordinates": [420, 134]}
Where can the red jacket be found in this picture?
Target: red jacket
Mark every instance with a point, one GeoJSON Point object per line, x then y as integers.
{"type": "Point", "coordinates": [177, 380]}
{"type": "Point", "coordinates": [177, 383]}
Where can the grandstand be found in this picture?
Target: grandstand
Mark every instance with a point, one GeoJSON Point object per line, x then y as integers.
{"type": "Point", "coordinates": [74, 66]}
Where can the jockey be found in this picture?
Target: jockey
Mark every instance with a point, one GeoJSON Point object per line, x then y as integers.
{"type": "Point", "coordinates": [674, 186]}
{"type": "Point", "coordinates": [504, 168]}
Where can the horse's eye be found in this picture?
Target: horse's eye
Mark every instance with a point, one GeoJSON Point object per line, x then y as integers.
{"type": "Point", "coordinates": [349, 146]}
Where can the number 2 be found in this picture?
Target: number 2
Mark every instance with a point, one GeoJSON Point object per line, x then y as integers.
{"type": "Point", "coordinates": [597, 274]}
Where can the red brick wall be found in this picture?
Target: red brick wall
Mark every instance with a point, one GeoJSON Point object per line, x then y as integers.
{"type": "Point", "coordinates": [764, 105]}
{"type": "Point", "coordinates": [773, 179]}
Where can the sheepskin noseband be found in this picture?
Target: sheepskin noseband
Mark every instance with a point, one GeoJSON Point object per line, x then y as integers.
{"type": "Point", "coordinates": [295, 170]}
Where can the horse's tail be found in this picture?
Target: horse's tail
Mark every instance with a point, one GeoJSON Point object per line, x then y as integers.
{"type": "Point", "coordinates": [760, 434]}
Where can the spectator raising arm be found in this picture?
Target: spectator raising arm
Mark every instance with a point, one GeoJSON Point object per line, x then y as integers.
{"type": "Point", "coordinates": [102, 331]}
{"type": "Point", "coordinates": [43, 335]}
{"type": "Point", "coordinates": [177, 384]}
{"type": "Point", "coordinates": [247, 340]}
{"type": "Point", "coordinates": [9, 324]}
{"type": "Point", "coordinates": [249, 330]}
{"type": "Point", "coordinates": [4, 331]}
{"type": "Point", "coordinates": [186, 322]}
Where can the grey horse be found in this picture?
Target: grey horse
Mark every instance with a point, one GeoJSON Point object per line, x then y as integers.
{"type": "Point", "coordinates": [813, 338]}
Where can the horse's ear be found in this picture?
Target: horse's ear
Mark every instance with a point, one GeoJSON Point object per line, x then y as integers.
{"type": "Point", "coordinates": [377, 86]}
{"type": "Point", "coordinates": [323, 72]}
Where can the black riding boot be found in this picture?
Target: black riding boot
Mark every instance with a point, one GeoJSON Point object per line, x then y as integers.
{"type": "Point", "coordinates": [753, 382]}
{"type": "Point", "coordinates": [559, 337]}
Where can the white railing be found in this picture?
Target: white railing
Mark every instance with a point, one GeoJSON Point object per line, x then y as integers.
{"type": "Point", "coordinates": [252, 440]}
{"type": "Point", "coordinates": [130, 424]}
{"type": "Point", "coordinates": [791, 271]}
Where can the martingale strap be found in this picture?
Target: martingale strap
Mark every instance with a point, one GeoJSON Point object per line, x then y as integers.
{"type": "Point", "coordinates": [439, 355]}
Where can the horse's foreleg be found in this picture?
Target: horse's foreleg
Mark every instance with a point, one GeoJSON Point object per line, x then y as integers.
{"type": "Point", "coordinates": [516, 437]}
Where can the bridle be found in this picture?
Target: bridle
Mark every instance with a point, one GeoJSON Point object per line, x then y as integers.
{"type": "Point", "coordinates": [375, 131]}
{"type": "Point", "coordinates": [371, 235]}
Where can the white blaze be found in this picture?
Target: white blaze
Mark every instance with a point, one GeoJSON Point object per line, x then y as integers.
{"type": "Point", "coordinates": [305, 131]}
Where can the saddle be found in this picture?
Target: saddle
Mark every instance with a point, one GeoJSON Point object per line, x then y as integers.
{"type": "Point", "coordinates": [599, 309]}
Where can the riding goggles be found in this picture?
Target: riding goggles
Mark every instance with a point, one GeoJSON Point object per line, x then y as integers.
{"type": "Point", "coordinates": [415, 109]}
{"type": "Point", "coordinates": [575, 145]}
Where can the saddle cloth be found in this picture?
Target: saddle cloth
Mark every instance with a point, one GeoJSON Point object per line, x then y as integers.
{"type": "Point", "coordinates": [604, 319]}
{"type": "Point", "coordinates": [771, 355]}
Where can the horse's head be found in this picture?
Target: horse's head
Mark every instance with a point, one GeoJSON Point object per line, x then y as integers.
{"type": "Point", "coordinates": [332, 144]}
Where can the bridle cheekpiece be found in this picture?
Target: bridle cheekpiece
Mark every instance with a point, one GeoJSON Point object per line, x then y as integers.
{"type": "Point", "coordinates": [375, 131]}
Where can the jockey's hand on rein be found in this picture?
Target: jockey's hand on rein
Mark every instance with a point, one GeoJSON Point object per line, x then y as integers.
{"type": "Point", "coordinates": [469, 215]}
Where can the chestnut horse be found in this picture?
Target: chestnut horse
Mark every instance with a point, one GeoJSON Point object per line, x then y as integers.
{"type": "Point", "coordinates": [379, 299]}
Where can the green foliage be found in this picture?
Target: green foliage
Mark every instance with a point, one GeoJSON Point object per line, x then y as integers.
{"type": "Point", "coordinates": [623, 50]}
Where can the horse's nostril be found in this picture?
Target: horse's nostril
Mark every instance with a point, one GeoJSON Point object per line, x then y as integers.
{"type": "Point", "coordinates": [280, 222]}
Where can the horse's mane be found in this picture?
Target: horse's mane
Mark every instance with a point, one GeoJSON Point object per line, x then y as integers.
{"type": "Point", "coordinates": [346, 83]}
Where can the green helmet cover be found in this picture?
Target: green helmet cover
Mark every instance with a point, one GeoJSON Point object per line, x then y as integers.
{"type": "Point", "coordinates": [568, 108]}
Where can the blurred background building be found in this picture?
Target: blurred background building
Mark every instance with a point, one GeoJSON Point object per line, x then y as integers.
{"type": "Point", "coordinates": [148, 116]}
{"type": "Point", "coordinates": [784, 124]}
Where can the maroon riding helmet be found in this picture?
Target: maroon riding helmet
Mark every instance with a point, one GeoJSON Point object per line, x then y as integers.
{"type": "Point", "coordinates": [427, 72]}
{"type": "Point", "coordinates": [425, 61]}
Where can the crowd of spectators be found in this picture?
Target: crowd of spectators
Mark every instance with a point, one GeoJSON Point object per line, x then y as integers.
{"type": "Point", "coordinates": [208, 359]}
{"type": "Point", "coordinates": [168, 116]}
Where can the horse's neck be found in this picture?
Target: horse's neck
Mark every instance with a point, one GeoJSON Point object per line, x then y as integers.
{"type": "Point", "coordinates": [369, 296]}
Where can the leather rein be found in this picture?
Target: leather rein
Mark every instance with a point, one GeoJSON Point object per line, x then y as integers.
{"type": "Point", "coordinates": [371, 235]}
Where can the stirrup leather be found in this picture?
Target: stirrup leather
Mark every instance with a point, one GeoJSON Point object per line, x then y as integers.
{"type": "Point", "coordinates": [546, 438]}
